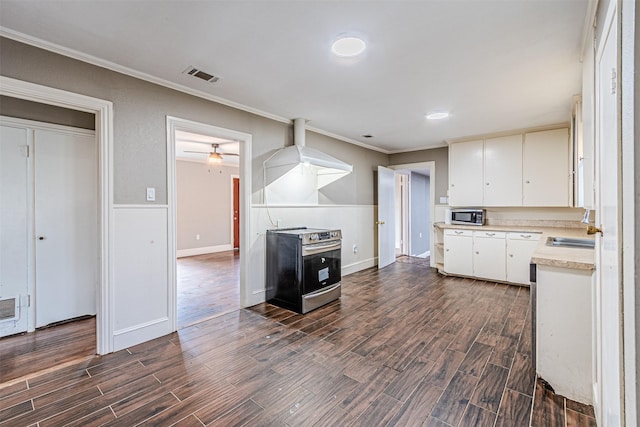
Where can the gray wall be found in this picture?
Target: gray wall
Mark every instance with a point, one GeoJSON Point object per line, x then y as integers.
{"type": "Point", "coordinates": [438, 155]}
{"type": "Point", "coordinates": [420, 214]}
{"type": "Point", "coordinates": [140, 110]}
{"type": "Point", "coordinates": [22, 109]}
{"type": "Point", "coordinates": [203, 204]}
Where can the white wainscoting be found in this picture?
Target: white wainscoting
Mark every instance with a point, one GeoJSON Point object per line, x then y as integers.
{"type": "Point", "coordinates": [355, 221]}
{"type": "Point", "coordinates": [142, 303]}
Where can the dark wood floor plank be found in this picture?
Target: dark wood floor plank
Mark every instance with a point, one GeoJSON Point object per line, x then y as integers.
{"type": "Point", "coordinates": [238, 416]}
{"type": "Point", "coordinates": [576, 419]}
{"type": "Point", "coordinates": [146, 411]}
{"type": "Point", "coordinates": [488, 392]}
{"type": "Point", "coordinates": [409, 379]}
{"type": "Point", "coordinates": [478, 417]}
{"type": "Point", "coordinates": [522, 377]}
{"type": "Point", "coordinates": [12, 388]}
{"type": "Point", "coordinates": [548, 409]}
{"type": "Point", "coordinates": [379, 412]}
{"type": "Point", "coordinates": [418, 406]}
{"type": "Point", "coordinates": [16, 410]}
{"type": "Point", "coordinates": [445, 368]}
{"type": "Point", "coordinates": [476, 359]}
{"type": "Point", "coordinates": [515, 409]}
{"type": "Point", "coordinates": [453, 402]}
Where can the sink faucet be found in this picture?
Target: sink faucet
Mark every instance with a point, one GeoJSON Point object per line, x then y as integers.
{"type": "Point", "coordinates": [585, 218]}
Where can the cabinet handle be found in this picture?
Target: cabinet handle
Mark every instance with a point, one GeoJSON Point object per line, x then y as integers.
{"type": "Point", "coordinates": [453, 185]}
{"type": "Point", "coordinates": [477, 253]}
{"type": "Point", "coordinates": [458, 232]}
{"type": "Point", "coordinates": [526, 236]}
{"type": "Point", "coordinates": [447, 250]}
{"type": "Point", "coordinates": [487, 183]}
{"type": "Point", "coordinates": [510, 255]}
{"type": "Point", "coordinates": [490, 234]}
{"type": "Point", "coordinates": [527, 182]}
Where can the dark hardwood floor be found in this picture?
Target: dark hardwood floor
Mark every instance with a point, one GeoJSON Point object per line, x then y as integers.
{"type": "Point", "coordinates": [208, 285]}
{"type": "Point", "coordinates": [404, 346]}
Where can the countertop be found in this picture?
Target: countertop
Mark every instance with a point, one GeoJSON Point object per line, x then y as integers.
{"type": "Point", "coordinates": [576, 258]}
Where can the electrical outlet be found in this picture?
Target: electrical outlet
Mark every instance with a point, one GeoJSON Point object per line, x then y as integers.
{"type": "Point", "coordinates": [355, 249]}
{"type": "Point", "coordinates": [197, 237]}
{"type": "Point", "coordinates": [151, 194]}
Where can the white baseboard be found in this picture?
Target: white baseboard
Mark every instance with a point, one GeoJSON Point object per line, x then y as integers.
{"type": "Point", "coordinates": [360, 265]}
{"type": "Point", "coordinates": [204, 250]}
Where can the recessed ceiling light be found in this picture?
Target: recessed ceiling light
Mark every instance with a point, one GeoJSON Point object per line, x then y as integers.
{"type": "Point", "coordinates": [348, 47]}
{"type": "Point", "coordinates": [437, 116]}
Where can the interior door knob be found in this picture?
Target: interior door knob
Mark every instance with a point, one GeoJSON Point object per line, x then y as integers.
{"type": "Point", "coordinates": [41, 238]}
{"type": "Point", "coordinates": [380, 222]}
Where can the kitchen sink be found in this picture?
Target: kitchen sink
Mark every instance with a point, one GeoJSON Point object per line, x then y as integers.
{"type": "Point", "coordinates": [568, 242]}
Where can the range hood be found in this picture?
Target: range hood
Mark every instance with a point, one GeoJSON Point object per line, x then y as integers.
{"type": "Point", "coordinates": [327, 168]}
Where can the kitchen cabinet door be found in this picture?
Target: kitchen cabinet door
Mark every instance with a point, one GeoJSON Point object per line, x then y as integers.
{"type": "Point", "coordinates": [489, 249]}
{"type": "Point", "coordinates": [466, 173]}
{"type": "Point", "coordinates": [520, 247]}
{"type": "Point", "coordinates": [503, 171]}
{"type": "Point", "coordinates": [546, 170]}
{"type": "Point", "coordinates": [458, 249]}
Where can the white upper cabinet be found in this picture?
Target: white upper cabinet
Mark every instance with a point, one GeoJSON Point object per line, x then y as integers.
{"type": "Point", "coordinates": [546, 169]}
{"type": "Point", "coordinates": [503, 171]}
{"type": "Point", "coordinates": [465, 173]}
{"type": "Point", "coordinates": [523, 169]}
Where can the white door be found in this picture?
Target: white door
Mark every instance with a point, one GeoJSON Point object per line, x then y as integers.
{"type": "Point", "coordinates": [608, 280]}
{"type": "Point", "coordinates": [386, 216]}
{"type": "Point", "coordinates": [65, 225]}
{"type": "Point", "coordinates": [14, 230]}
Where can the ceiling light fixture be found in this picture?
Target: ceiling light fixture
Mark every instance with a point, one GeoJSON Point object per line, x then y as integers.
{"type": "Point", "coordinates": [215, 158]}
{"type": "Point", "coordinates": [437, 116]}
{"type": "Point", "coordinates": [347, 47]}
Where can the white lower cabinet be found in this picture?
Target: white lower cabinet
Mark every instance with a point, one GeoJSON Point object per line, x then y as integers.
{"type": "Point", "coordinates": [492, 255]}
{"type": "Point", "coordinates": [489, 249]}
{"type": "Point", "coordinates": [458, 247]}
{"type": "Point", "coordinates": [520, 247]}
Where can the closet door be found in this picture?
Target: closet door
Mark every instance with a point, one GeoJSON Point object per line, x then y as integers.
{"type": "Point", "coordinates": [14, 230]}
{"type": "Point", "coordinates": [66, 229]}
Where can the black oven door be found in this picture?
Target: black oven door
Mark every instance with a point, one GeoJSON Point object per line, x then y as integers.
{"type": "Point", "coordinates": [321, 266]}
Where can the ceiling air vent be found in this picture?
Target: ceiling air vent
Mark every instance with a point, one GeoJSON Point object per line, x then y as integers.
{"type": "Point", "coordinates": [192, 71]}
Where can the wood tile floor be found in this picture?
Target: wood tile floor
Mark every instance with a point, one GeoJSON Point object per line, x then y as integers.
{"type": "Point", "coordinates": [402, 347]}
{"type": "Point", "coordinates": [208, 285]}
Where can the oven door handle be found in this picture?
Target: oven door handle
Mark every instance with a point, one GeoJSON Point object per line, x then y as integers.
{"type": "Point", "coordinates": [321, 292]}
{"type": "Point", "coordinates": [319, 248]}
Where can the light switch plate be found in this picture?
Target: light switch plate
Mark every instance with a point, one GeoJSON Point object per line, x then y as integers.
{"type": "Point", "coordinates": [151, 194]}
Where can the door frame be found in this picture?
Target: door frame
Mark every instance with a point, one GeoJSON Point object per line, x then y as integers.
{"type": "Point", "coordinates": [232, 239]}
{"type": "Point", "coordinates": [103, 111]}
{"type": "Point", "coordinates": [174, 124]}
{"type": "Point", "coordinates": [431, 165]}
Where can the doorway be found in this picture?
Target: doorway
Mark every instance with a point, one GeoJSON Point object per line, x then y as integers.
{"type": "Point", "coordinates": [405, 212]}
{"type": "Point", "coordinates": [50, 224]}
{"type": "Point", "coordinates": [208, 218]}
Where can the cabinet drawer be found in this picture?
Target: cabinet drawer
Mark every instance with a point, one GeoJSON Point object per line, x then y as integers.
{"type": "Point", "coordinates": [524, 236]}
{"type": "Point", "coordinates": [489, 234]}
{"type": "Point", "coordinates": [452, 232]}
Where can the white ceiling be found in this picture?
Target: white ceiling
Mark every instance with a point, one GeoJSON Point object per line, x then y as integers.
{"type": "Point", "coordinates": [188, 141]}
{"type": "Point", "coordinates": [494, 64]}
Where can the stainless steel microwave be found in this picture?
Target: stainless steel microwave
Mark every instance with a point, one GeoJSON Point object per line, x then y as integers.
{"type": "Point", "coordinates": [468, 216]}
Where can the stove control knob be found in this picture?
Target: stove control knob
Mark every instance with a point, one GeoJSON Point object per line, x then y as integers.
{"type": "Point", "coordinates": [334, 234]}
{"type": "Point", "coordinates": [313, 236]}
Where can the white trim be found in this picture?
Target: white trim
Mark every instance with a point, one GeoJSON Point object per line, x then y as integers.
{"type": "Point", "coordinates": [629, 212]}
{"type": "Point", "coordinates": [32, 124]}
{"type": "Point", "coordinates": [431, 165]}
{"type": "Point", "coordinates": [262, 205]}
{"type": "Point", "coordinates": [104, 133]}
{"type": "Point", "coordinates": [181, 253]}
{"type": "Point", "coordinates": [358, 266]}
{"type": "Point", "coordinates": [136, 334]}
{"type": "Point", "coordinates": [245, 139]}
{"type": "Point", "coordinates": [149, 206]}
{"type": "Point", "coordinates": [231, 178]}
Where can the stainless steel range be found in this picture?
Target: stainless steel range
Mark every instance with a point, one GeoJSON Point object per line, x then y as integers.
{"type": "Point", "coordinates": [303, 267]}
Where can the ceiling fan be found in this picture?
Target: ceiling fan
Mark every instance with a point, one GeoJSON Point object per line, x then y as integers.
{"type": "Point", "coordinates": [214, 156]}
